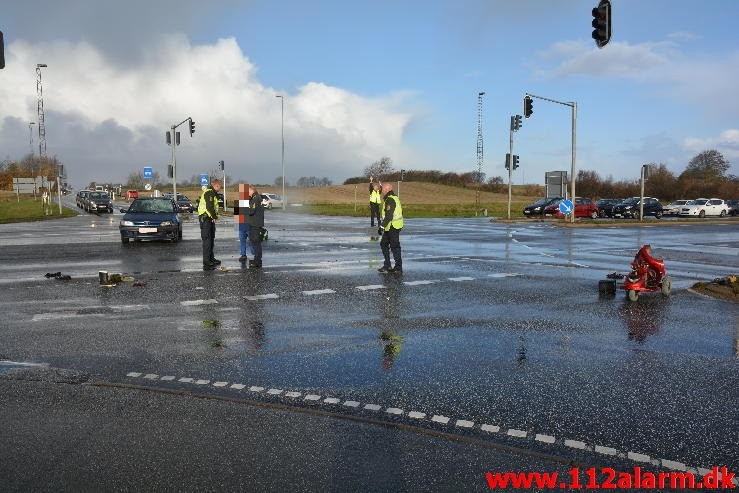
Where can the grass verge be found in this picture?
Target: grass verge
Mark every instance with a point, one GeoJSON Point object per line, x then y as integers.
{"type": "Point", "coordinates": [30, 209]}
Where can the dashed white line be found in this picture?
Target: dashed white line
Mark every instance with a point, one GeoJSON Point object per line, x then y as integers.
{"type": "Point", "coordinates": [635, 456]}
{"type": "Point", "coordinates": [237, 386]}
{"type": "Point", "coordinates": [254, 388]}
{"type": "Point", "coordinates": [490, 428]}
{"type": "Point", "coordinates": [439, 419]}
{"type": "Point", "coordinates": [351, 404]}
{"type": "Point", "coordinates": [394, 410]}
{"type": "Point", "coordinates": [167, 378]}
{"type": "Point", "coordinates": [416, 415]}
{"type": "Point", "coordinates": [202, 382]}
{"type": "Point", "coordinates": [319, 291]}
{"type": "Point", "coordinates": [270, 296]}
{"type": "Point", "coordinates": [220, 384]}
{"type": "Point", "coordinates": [151, 376]}
{"type": "Point", "coordinates": [370, 287]}
{"type": "Point", "coordinates": [312, 397]}
{"type": "Point", "coordinates": [331, 400]}
{"type": "Point", "coordinates": [372, 407]}
{"type": "Point", "coordinates": [186, 380]}
{"type": "Point", "coordinates": [274, 391]}
{"type": "Point", "coordinates": [199, 302]}
{"type": "Point", "coordinates": [463, 423]}
{"type": "Point", "coordinates": [460, 279]}
{"type": "Point", "coordinates": [418, 283]}
{"type": "Point", "coordinates": [517, 433]}
{"type": "Point", "coordinates": [600, 449]}
{"type": "Point", "coordinates": [544, 438]}
{"type": "Point", "coordinates": [134, 374]}
{"type": "Point", "coordinates": [575, 444]}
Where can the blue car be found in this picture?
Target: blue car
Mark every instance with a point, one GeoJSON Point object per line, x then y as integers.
{"type": "Point", "coordinates": [151, 218]}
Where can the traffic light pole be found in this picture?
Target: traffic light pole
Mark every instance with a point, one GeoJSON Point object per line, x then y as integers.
{"type": "Point", "coordinates": [174, 157]}
{"type": "Point", "coordinates": [510, 167]}
{"type": "Point", "coordinates": [572, 105]}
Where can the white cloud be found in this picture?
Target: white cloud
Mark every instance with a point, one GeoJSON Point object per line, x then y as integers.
{"type": "Point", "coordinates": [727, 143]}
{"type": "Point", "coordinates": [105, 120]}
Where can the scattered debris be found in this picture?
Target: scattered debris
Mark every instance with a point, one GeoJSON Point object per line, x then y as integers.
{"type": "Point", "coordinates": [726, 288]}
{"type": "Point", "coordinates": [139, 284]}
{"type": "Point", "coordinates": [615, 275]}
{"type": "Point", "coordinates": [58, 276]}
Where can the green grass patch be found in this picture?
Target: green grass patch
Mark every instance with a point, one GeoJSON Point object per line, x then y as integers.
{"type": "Point", "coordinates": [414, 210]}
{"type": "Point", "coordinates": [30, 209]}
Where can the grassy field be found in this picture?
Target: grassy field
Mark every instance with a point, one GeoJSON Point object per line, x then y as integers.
{"type": "Point", "coordinates": [28, 209]}
{"type": "Point", "coordinates": [419, 199]}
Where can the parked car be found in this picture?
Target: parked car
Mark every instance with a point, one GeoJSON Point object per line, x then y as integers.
{"type": "Point", "coordinates": [99, 202]}
{"type": "Point", "coordinates": [733, 206]}
{"type": "Point", "coordinates": [704, 207]}
{"type": "Point", "coordinates": [270, 200]}
{"type": "Point", "coordinates": [132, 194]}
{"type": "Point", "coordinates": [537, 208]}
{"type": "Point", "coordinates": [584, 207]}
{"type": "Point", "coordinates": [151, 218]}
{"type": "Point", "coordinates": [82, 198]}
{"type": "Point", "coordinates": [605, 206]}
{"type": "Point", "coordinates": [631, 207]}
{"type": "Point", "coordinates": [673, 208]}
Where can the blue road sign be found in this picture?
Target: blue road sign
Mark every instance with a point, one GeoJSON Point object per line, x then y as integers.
{"type": "Point", "coordinates": [148, 172]}
{"type": "Point", "coordinates": [203, 179]}
{"type": "Point", "coordinates": [566, 207]}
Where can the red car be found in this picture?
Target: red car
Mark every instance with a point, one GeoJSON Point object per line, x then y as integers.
{"type": "Point", "coordinates": [132, 194]}
{"type": "Point", "coordinates": [584, 207]}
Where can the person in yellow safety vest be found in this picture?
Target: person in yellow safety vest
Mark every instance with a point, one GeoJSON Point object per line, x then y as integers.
{"type": "Point", "coordinates": [375, 201]}
{"type": "Point", "coordinates": [392, 223]}
{"type": "Point", "coordinates": [208, 215]}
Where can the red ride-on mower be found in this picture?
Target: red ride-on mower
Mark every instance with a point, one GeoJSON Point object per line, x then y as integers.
{"type": "Point", "coordinates": [647, 274]}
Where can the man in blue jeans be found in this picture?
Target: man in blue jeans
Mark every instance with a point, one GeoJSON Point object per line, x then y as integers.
{"type": "Point", "coordinates": [241, 211]}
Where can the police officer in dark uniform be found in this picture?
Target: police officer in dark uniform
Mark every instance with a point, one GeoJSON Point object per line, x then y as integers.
{"type": "Point", "coordinates": [208, 215]}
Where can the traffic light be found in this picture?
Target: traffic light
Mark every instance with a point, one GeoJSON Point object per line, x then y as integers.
{"type": "Point", "coordinates": [402, 174]}
{"type": "Point", "coordinates": [177, 138]}
{"type": "Point", "coordinates": [507, 160]}
{"type": "Point", "coordinates": [192, 127]}
{"type": "Point", "coordinates": [515, 161]}
{"type": "Point", "coordinates": [170, 171]}
{"type": "Point", "coordinates": [221, 165]}
{"type": "Point", "coordinates": [528, 106]}
{"type": "Point", "coordinates": [516, 122]}
{"type": "Point", "coordinates": [169, 138]}
{"type": "Point", "coordinates": [2, 51]}
{"type": "Point", "coordinates": [602, 23]}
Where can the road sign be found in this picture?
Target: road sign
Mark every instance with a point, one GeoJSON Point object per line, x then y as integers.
{"type": "Point", "coordinates": [204, 179]}
{"type": "Point", "coordinates": [147, 187]}
{"type": "Point", "coordinates": [148, 172]}
{"type": "Point", "coordinates": [566, 207]}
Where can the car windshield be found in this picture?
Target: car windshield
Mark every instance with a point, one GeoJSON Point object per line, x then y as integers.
{"type": "Point", "coordinates": [700, 202]}
{"type": "Point", "coordinates": [151, 206]}
{"type": "Point", "coordinates": [539, 202]}
{"type": "Point", "coordinates": [99, 195]}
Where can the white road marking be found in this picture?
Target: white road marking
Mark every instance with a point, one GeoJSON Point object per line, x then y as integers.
{"type": "Point", "coordinates": [134, 374]}
{"type": "Point", "coordinates": [293, 394]}
{"type": "Point", "coordinates": [318, 291]}
{"type": "Point", "coordinates": [372, 407]}
{"type": "Point", "coordinates": [186, 380]}
{"type": "Point", "coordinates": [199, 302]}
{"type": "Point", "coordinates": [351, 404]}
{"type": "Point", "coordinates": [544, 438]}
{"type": "Point", "coordinates": [440, 419]}
{"type": "Point", "coordinates": [220, 384]}
{"type": "Point", "coordinates": [237, 386]}
{"type": "Point", "coordinates": [600, 449]}
{"type": "Point", "coordinates": [312, 397]}
{"type": "Point", "coordinates": [460, 279]}
{"type": "Point", "coordinates": [416, 415]}
{"type": "Point", "coordinates": [254, 388]}
{"type": "Point", "coordinates": [270, 296]}
{"type": "Point", "coordinates": [463, 423]}
{"type": "Point", "coordinates": [151, 376]}
{"type": "Point", "coordinates": [331, 400]}
{"type": "Point", "coordinates": [418, 283]}
{"type": "Point", "coordinates": [274, 391]}
{"type": "Point", "coordinates": [675, 466]}
{"type": "Point", "coordinates": [202, 382]}
{"type": "Point", "coordinates": [635, 456]}
{"type": "Point", "coordinates": [490, 428]}
{"type": "Point", "coordinates": [394, 410]}
{"type": "Point", "coordinates": [575, 444]}
{"type": "Point", "coordinates": [504, 274]}
{"type": "Point", "coordinates": [370, 287]}
{"type": "Point", "coordinates": [167, 378]}
{"type": "Point", "coordinates": [517, 433]}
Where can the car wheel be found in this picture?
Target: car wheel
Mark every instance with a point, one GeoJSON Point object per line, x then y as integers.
{"type": "Point", "coordinates": [702, 214]}
{"type": "Point", "coordinates": [179, 234]}
{"type": "Point", "coordinates": [124, 240]}
{"type": "Point", "coordinates": [666, 286]}
{"type": "Point", "coordinates": [594, 215]}
{"type": "Point", "coordinates": [269, 207]}
{"type": "Point", "coordinates": [658, 214]}
{"type": "Point", "coordinates": [633, 295]}
{"type": "Point", "coordinates": [723, 213]}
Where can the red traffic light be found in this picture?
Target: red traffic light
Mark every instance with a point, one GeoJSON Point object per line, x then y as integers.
{"type": "Point", "coordinates": [528, 106]}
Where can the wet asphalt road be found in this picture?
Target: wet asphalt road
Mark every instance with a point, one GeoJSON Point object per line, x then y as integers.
{"type": "Point", "coordinates": [494, 330]}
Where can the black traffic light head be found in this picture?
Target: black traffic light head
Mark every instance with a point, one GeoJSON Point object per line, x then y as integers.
{"type": "Point", "coordinates": [528, 106]}
{"type": "Point", "coordinates": [515, 161]}
{"type": "Point", "coordinates": [2, 51]}
{"type": "Point", "coordinates": [192, 127]}
{"type": "Point", "coordinates": [507, 160]}
{"type": "Point", "coordinates": [517, 122]}
{"type": "Point", "coordinates": [602, 23]}
{"type": "Point", "coordinates": [221, 165]}
{"type": "Point", "coordinates": [402, 174]}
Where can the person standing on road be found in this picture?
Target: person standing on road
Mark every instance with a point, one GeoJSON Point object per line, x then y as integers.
{"type": "Point", "coordinates": [392, 223]}
{"type": "Point", "coordinates": [255, 220]}
{"type": "Point", "coordinates": [241, 211]}
{"type": "Point", "coordinates": [208, 215]}
{"type": "Point", "coordinates": [375, 201]}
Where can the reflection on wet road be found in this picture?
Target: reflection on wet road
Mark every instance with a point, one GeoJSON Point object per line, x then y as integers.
{"type": "Point", "coordinates": [497, 328]}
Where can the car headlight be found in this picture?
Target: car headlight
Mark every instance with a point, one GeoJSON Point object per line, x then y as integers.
{"type": "Point", "coordinates": [166, 223]}
{"type": "Point", "coordinates": [126, 223]}
{"type": "Point", "coordinates": [537, 208]}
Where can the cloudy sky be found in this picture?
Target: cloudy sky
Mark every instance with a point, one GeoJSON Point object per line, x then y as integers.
{"type": "Point", "coordinates": [366, 79]}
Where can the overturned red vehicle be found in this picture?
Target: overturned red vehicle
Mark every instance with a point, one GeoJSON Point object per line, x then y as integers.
{"type": "Point", "coordinates": [647, 274]}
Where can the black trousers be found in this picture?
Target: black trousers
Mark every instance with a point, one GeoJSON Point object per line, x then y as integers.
{"type": "Point", "coordinates": [390, 242]}
{"type": "Point", "coordinates": [256, 242]}
{"type": "Point", "coordinates": [374, 213]}
{"type": "Point", "coordinates": [208, 235]}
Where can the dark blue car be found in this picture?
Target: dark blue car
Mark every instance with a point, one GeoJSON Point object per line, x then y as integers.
{"type": "Point", "coordinates": [151, 218]}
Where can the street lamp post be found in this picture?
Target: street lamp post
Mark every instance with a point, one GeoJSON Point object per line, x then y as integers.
{"type": "Point", "coordinates": [282, 131]}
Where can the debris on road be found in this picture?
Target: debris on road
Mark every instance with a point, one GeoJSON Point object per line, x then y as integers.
{"type": "Point", "coordinates": [58, 276]}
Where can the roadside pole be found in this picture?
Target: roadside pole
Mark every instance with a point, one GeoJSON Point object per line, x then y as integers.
{"type": "Point", "coordinates": [510, 166]}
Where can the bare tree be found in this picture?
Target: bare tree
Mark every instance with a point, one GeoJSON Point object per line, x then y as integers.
{"type": "Point", "coordinates": [380, 168]}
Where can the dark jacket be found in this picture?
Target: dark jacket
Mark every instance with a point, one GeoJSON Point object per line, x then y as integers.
{"type": "Point", "coordinates": [256, 211]}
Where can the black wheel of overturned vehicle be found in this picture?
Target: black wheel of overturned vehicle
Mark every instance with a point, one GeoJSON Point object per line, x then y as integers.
{"type": "Point", "coordinates": [666, 286]}
{"type": "Point", "coordinates": [607, 287]}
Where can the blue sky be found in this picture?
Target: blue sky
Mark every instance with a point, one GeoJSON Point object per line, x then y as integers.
{"type": "Point", "coordinates": [365, 79]}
